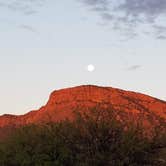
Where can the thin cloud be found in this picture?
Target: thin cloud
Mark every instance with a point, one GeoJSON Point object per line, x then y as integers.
{"type": "Point", "coordinates": [160, 32]}
{"type": "Point", "coordinates": [161, 37]}
{"type": "Point", "coordinates": [28, 28]}
{"type": "Point", "coordinates": [131, 14]}
{"type": "Point", "coordinates": [27, 7]}
{"type": "Point", "coordinates": [30, 12]}
{"type": "Point", "coordinates": [134, 67]}
{"type": "Point", "coordinates": [143, 10]}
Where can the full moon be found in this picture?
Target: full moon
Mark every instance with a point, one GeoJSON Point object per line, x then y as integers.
{"type": "Point", "coordinates": [90, 68]}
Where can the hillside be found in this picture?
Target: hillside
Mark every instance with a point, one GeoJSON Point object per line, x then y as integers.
{"type": "Point", "coordinates": [63, 103]}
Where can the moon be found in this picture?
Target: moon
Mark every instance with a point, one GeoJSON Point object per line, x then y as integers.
{"type": "Point", "coordinates": [90, 68]}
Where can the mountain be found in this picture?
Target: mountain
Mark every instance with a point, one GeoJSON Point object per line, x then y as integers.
{"type": "Point", "coordinates": [63, 103]}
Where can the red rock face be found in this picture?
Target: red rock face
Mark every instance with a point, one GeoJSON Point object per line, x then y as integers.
{"type": "Point", "coordinates": [62, 103]}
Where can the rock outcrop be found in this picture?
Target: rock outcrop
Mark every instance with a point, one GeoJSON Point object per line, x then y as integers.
{"type": "Point", "coordinates": [62, 103]}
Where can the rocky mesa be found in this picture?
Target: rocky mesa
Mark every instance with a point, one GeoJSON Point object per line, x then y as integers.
{"type": "Point", "coordinates": [63, 103]}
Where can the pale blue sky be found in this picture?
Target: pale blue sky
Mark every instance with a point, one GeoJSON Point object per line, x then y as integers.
{"type": "Point", "coordinates": [47, 44]}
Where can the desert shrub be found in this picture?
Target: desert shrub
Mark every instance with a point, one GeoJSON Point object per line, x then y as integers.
{"type": "Point", "coordinates": [92, 139]}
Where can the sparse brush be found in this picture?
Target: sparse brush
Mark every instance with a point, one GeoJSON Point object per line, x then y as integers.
{"type": "Point", "coordinates": [92, 139]}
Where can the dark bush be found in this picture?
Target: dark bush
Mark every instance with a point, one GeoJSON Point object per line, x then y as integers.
{"type": "Point", "coordinates": [92, 139]}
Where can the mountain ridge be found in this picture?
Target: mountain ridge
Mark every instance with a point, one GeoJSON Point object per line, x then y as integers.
{"type": "Point", "coordinates": [71, 88]}
{"type": "Point", "coordinates": [62, 103]}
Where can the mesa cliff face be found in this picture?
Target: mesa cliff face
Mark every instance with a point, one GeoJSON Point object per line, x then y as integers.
{"type": "Point", "coordinates": [62, 103]}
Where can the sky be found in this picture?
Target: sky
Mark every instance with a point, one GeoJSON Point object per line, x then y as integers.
{"type": "Point", "coordinates": [47, 45]}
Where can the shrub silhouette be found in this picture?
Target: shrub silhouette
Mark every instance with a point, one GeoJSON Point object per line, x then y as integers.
{"type": "Point", "coordinates": [96, 138]}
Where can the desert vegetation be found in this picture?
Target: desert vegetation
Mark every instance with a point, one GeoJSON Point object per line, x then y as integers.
{"type": "Point", "coordinates": [92, 139]}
